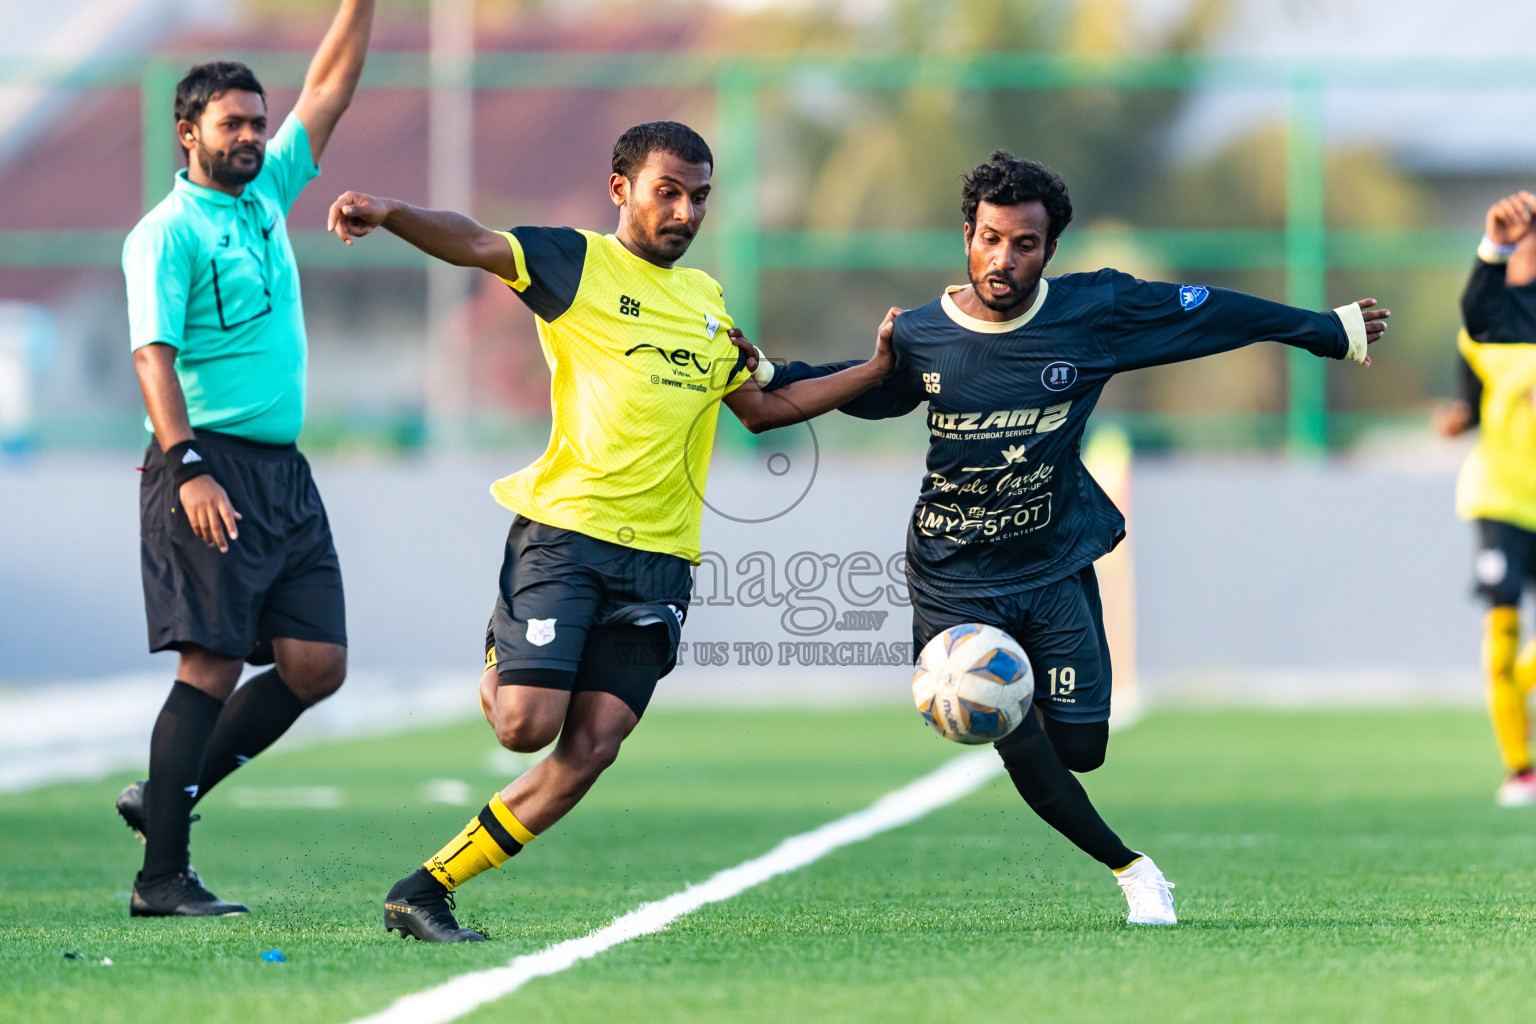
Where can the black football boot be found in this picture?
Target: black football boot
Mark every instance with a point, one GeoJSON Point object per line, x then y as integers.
{"type": "Point", "coordinates": [130, 805]}
{"type": "Point", "coordinates": [180, 895]}
{"type": "Point", "coordinates": [422, 907]}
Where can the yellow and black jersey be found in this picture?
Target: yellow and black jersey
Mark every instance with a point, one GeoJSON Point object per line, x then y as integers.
{"type": "Point", "coordinates": [639, 360]}
{"type": "Point", "coordinates": [1498, 480]}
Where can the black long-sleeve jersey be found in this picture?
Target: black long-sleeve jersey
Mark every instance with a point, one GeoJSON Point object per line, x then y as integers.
{"type": "Point", "coordinates": [1494, 312]}
{"type": "Point", "coordinates": [1006, 503]}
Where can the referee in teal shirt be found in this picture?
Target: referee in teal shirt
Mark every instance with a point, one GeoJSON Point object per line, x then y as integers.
{"type": "Point", "coordinates": [238, 561]}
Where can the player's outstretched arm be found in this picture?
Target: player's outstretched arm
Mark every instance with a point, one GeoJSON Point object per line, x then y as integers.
{"type": "Point", "coordinates": [333, 73]}
{"type": "Point", "coordinates": [761, 410]}
{"type": "Point", "coordinates": [443, 234]}
{"type": "Point", "coordinates": [1496, 307]}
{"type": "Point", "coordinates": [1153, 323]}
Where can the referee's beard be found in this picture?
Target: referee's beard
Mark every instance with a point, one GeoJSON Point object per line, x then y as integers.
{"type": "Point", "coordinates": [231, 168]}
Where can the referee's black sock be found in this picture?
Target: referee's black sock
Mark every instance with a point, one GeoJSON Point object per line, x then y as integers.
{"type": "Point", "coordinates": [252, 720]}
{"type": "Point", "coordinates": [175, 763]}
{"type": "Point", "coordinates": [1054, 793]}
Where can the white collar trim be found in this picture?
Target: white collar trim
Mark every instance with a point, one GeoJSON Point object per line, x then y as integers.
{"type": "Point", "coordinates": [970, 323]}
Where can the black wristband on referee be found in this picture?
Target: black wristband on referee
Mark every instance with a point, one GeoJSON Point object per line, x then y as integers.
{"type": "Point", "coordinates": [185, 462]}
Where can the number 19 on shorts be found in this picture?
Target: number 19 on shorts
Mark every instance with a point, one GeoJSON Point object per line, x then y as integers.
{"type": "Point", "coordinates": [1063, 681]}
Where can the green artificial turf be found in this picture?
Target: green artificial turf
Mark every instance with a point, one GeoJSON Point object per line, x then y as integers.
{"type": "Point", "coordinates": [1330, 867]}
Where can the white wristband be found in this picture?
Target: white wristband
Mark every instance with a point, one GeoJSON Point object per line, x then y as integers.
{"type": "Point", "coordinates": [1490, 251]}
{"type": "Point", "coordinates": [765, 370]}
{"type": "Point", "coordinates": [1353, 318]}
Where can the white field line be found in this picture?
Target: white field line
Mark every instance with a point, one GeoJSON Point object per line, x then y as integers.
{"type": "Point", "coordinates": [457, 996]}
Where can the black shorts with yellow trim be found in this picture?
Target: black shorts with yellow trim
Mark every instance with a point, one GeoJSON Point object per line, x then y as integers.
{"type": "Point", "coordinates": [1060, 626]}
{"type": "Point", "coordinates": [1505, 560]}
{"type": "Point", "coordinates": [579, 613]}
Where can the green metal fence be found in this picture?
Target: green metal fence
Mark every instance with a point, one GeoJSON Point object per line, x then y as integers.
{"type": "Point", "coordinates": [741, 249]}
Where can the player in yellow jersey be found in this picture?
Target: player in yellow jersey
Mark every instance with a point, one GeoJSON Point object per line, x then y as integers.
{"type": "Point", "coordinates": [1497, 488]}
{"type": "Point", "coordinates": [595, 583]}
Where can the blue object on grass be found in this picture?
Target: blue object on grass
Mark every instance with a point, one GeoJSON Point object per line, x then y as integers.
{"type": "Point", "coordinates": [274, 956]}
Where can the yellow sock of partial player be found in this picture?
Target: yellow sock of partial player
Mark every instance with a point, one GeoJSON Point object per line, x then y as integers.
{"type": "Point", "coordinates": [1506, 700]}
{"type": "Point", "coordinates": [488, 841]}
{"type": "Point", "coordinates": [1525, 667]}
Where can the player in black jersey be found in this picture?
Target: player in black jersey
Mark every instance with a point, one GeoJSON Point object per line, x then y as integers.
{"type": "Point", "coordinates": [1009, 522]}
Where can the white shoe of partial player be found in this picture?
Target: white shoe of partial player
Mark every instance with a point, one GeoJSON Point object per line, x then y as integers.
{"type": "Point", "coordinates": [1517, 791]}
{"type": "Point", "coordinates": [1146, 890]}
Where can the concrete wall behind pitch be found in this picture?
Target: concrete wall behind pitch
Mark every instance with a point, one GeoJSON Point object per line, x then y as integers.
{"type": "Point", "coordinates": [1259, 573]}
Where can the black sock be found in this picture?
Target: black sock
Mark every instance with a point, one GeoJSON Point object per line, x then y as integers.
{"type": "Point", "coordinates": [415, 885]}
{"type": "Point", "coordinates": [252, 720]}
{"type": "Point", "coordinates": [176, 749]}
{"type": "Point", "coordinates": [1054, 793]}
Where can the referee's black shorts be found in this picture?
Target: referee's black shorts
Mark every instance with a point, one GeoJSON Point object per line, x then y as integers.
{"type": "Point", "coordinates": [280, 578]}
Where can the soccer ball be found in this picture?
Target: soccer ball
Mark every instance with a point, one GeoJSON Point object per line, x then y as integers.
{"type": "Point", "coordinates": [973, 684]}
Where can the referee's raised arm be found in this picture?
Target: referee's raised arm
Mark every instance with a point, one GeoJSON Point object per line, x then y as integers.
{"type": "Point", "coordinates": [333, 73]}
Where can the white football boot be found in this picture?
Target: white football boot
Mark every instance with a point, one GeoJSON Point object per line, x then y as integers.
{"type": "Point", "coordinates": [1517, 791]}
{"type": "Point", "coordinates": [1146, 890]}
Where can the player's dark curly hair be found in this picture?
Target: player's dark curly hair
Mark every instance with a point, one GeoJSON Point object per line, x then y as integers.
{"type": "Point", "coordinates": [639, 142]}
{"type": "Point", "coordinates": [1005, 180]}
{"type": "Point", "coordinates": [207, 82]}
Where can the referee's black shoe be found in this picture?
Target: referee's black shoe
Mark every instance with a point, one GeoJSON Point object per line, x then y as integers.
{"type": "Point", "coordinates": [130, 806]}
{"type": "Point", "coordinates": [179, 895]}
{"type": "Point", "coordinates": [420, 906]}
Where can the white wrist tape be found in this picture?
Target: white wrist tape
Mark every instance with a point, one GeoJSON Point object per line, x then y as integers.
{"type": "Point", "coordinates": [1353, 318]}
{"type": "Point", "coordinates": [1490, 251]}
{"type": "Point", "coordinates": [764, 372]}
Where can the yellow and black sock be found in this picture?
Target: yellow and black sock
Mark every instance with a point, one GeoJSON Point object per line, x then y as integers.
{"type": "Point", "coordinates": [1525, 667]}
{"type": "Point", "coordinates": [489, 839]}
{"type": "Point", "coordinates": [1506, 697]}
